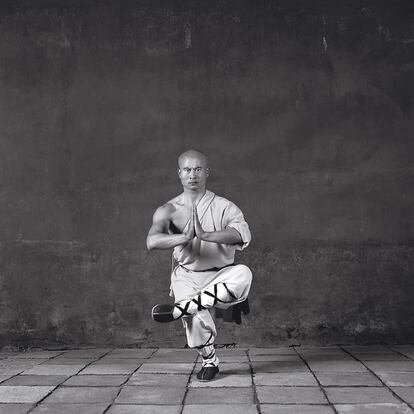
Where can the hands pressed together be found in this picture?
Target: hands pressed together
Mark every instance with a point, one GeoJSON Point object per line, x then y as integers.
{"type": "Point", "coordinates": [195, 229]}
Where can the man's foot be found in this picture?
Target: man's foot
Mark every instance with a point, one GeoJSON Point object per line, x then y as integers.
{"type": "Point", "coordinates": [208, 373]}
{"type": "Point", "coordinates": [163, 313]}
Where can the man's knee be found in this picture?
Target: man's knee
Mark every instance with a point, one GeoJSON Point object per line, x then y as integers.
{"type": "Point", "coordinates": [244, 276]}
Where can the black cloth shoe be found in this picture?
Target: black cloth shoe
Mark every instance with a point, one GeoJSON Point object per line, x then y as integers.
{"type": "Point", "coordinates": [163, 313]}
{"type": "Point", "coordinates": [208, 373]}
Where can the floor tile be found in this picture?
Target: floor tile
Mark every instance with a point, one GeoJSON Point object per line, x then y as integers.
{"type": "Point", "coordinates": [167, 368]}
{"type": "Point", "coordinates": [145, 409]}
{"type": "Point", "coordinates": [233, 358]}
{"type": "Point", "coordinates": [356, 395]}
{"type": "Point", "coordinates": [23, 393]}
{"type": "Point", "coordinates": [296, 409]}
{"type": "Point", "coordinates": [406, 393]}
{"type": "Point", "coordinates": [151, 395]}
{"type": "Point", "coordinates": [14, 408]}
{"type": "Point", "coordinates": [396, 379]}
{"type": "Point", "coordinates": [84, 395]}
{"type": "Point", "coordinates": [206, 396]}
{"type": "Point", "coordinates": [223, 381]}
{"type": "Point", "coordinates": [95, 380]}
{"type": "Point", "coordinates": [275, 357]}
{"type": "Point", "coordinates": [286, 379]}
{"type": "Point", "coordinates": [230, 368]}
{"type": "Point", "coordinates": [37, 354]}
{"type": "Point", "coordinates": [128, 353]}
{"type": "Point", "coordinates": [36, 380]}
{"type": "Point", "coordinates": [53, 370]}
{"type": "Point", "coordinates": [109, 369]}
{"type": "Point", "coordinates": [70, 408]}
{"type": "Point", "coordinates": [391, 356]}
{"type": "Point", "coordinates": [347, 379]}
{"type": "Point", "coordinates": [390, 365]}
{"type": "Point", "coordinates": [220, 409]}
{"type": "Point", "coordinates": [271, 351]}
{"type": "Point", "coordinates": [158, 380]}
{"type": "Point", "coordinates": [384, 408]}
{"type": "Point", "coordinates": [4, 378]}
{"type": "Point", "coordinates": [290, 395]}
{"type": "Point", "coordinates": [86, 353]}
{"type": "Point", "coordinates": [68, 361]}
{"type": "Point", "coordinates": [279, 366]}
{"type": "Point", "coordinates": [337, 366]}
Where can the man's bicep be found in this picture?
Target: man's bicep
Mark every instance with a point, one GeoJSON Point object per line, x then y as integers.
{"type": "Point", "coordinates": [160, 221]}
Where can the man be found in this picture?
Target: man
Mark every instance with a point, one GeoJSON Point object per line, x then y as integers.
{"type": "Point", "coordinates": [205, 231]}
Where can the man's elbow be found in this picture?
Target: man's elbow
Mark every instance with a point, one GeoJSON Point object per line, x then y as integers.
{"type": "Point", "coordinates": [150, 244]}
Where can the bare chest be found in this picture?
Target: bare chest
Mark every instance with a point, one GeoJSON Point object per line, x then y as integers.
{"type": "Point", "coordinates": [179, 219]}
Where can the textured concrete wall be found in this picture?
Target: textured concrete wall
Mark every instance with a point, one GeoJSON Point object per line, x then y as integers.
{"type": "Point", "coordinates": [306, 111]}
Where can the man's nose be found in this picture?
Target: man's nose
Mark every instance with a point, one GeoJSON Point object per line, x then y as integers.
{"type": "Point", "coordinates": [192, 173]}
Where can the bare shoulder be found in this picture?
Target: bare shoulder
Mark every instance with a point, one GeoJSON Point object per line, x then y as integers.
{"type": "Point", "coordinates": [164, 212]}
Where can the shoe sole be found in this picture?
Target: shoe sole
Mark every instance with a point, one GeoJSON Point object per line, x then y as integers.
{"type": "Point", "coordinates": [162, 313]}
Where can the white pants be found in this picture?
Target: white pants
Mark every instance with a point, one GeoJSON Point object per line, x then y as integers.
{"type": "Point", "coordinates": [186, 284]}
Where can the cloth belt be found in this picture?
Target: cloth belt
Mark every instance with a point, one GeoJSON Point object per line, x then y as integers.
{"type": "Point", "coordinates": [212, 269]}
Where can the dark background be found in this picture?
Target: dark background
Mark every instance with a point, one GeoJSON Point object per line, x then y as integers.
{"type": "Point", "coordinates": [306, 112]}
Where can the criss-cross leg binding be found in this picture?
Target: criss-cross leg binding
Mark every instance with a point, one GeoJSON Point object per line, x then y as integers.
{"type": "Point", "coordinates": [218, 293]}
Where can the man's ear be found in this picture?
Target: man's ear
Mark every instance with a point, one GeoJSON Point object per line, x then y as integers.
{"type": "Point", "coordinates": [179, 172]}
{"type": "Point", "coordinates": [207, 171]}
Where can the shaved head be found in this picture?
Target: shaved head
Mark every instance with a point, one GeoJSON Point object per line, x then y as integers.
{"type": "Point", "coordinates": [193, 154]}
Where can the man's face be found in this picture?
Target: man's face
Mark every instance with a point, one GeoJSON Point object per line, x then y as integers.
{"type": "Point", "coordinates": [193, 173]}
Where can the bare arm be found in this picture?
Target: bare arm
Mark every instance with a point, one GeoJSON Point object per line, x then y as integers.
{"type": "Point", "coordinates": [226, 236]}
{"type": "Point", "coordinates": [158, 237]}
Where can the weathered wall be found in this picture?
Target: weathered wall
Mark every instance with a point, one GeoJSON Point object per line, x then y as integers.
{"type": "Point", "coordinates": [306, 111]}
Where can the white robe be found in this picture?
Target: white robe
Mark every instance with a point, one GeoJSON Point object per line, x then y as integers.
{"type": "Point", "coordinates": [215, 213]}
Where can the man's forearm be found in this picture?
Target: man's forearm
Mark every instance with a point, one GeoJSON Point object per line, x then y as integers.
{"type": "Point", "coordinates": [166, 241]}
{"type": "Point", "coordinates": [227, 236]}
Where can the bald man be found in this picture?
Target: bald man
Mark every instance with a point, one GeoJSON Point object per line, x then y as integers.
{"type": "Point", "coordinates": [205, 230]}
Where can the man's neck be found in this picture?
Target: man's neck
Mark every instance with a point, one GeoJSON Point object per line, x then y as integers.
{"type": "Point", "coordinates": [194, 197]}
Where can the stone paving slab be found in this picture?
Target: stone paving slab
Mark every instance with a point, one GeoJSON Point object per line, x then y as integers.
{"type": "Point", "coordinates": [290, 395]}
{"type": "Point", "coordinates": [275, 357]}
{"type": "Point", "coordinates": [15, 408]}
{"type": "Point", "coordinates": [23, 393]}
{"type": "Point", "coordinates": [368, 349]}
{"type": "Point", "coordinates": [68, 361]}
{"type": "Point", "coordinates": [166, 368]}
{"type": "Point", "coordinates": [232, 358]}
{"type": "Point", "coordinates": [397, 379]}
{"type": "Point", "coordinates": [230, 368]}
{"type": "Point", "coordinates": [385, 408]}
{"type": "Point", "coordinates": [206, 396]}
{"type": "Point", "coordinates": [145, 409]}
{"type": "Point", "coordinates": [35, 380]}
{"type": "Point", "coordinates": [110, 369]}
{"type": "Point", "coordinates": [337, 366]}
{"type": "Point", "coordinates": [151, 395]}
{"type": "Point", "coordinates": [222, 381]}
{"type": "Point", "coordinates": [31, 355]}
{"type": "Point", "coordinates": [85, 395]}
{"type": "Point", "coordinates": [220, 409]}
{"type": "Point", "coordinates": [53, 370]}
{"type": "Point", "coordinates": [390, 365]}
{"type": "Point", "coordinates": [118, 361]}
{"type": "Point", "coordinates": [345, 379]}
{"type": "Point", "coordinates": [158, 380]}
{"type": "Point", "coordinates": [4, 378]}
{"type": "Point", "coordinates": [71, 408]}
{"type": "Point", "coordinates": [130, 353]}
{"type": "Point", "coordinates": [360, 395]}
{"type": "Point", "coordinates": [406, 393]}
{"type": "Point", "coordinates": [381, 357]}
{"type": "Point", "coordinates": [271, 351]}
{"type": "Point", "coordinates": [296, 409]}
{"type": "Point", "coordinates": [92, 353]}
{"type": "Point", "coordinates": [95, 380]}
{"type": "Point", "coordinates": [279, 366]}
{"type": "Point", "coordinates": [286, 379]}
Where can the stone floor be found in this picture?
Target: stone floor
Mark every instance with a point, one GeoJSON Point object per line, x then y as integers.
{"type": "Point", "coordinates": [346, 379]}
